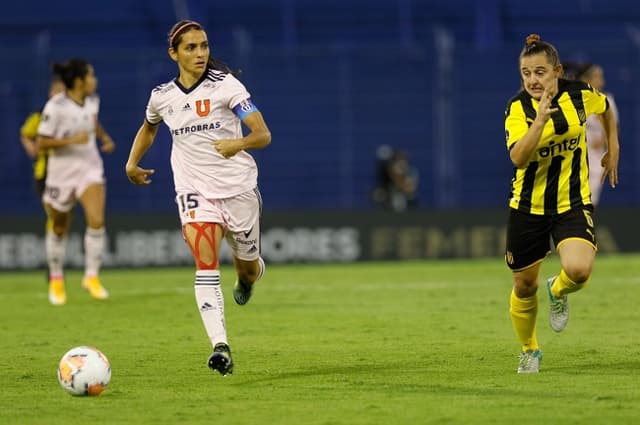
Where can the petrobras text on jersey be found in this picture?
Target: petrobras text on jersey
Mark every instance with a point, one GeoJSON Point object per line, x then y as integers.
{"type": "Point", "coordinates": [196, 128]}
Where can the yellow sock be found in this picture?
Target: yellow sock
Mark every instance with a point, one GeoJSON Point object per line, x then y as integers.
{"type": "Point", "coordinates": [563, 285]}
{"type": "Point", "coordinates": [49, 225]}
{"type": "Point", "coordinates": [523, 317]}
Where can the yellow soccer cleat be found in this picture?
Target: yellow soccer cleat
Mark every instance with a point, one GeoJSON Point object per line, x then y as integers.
{"type": "Point", "coordinates": [57, 294]}
{"type": "Point", "coordinates": [95, 288]}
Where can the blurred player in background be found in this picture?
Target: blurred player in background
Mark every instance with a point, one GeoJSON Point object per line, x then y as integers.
{"type": "Point", "coordinates": [397, 180]}
{"type": "Point", "coordinates": [68, 129]}
{"type": "Point", "coordinates": [215, 178]}
{"type": "Point", "coordinates": [550, 195]}
{"type": "Point", "coordinates": [28, 138]}
{"type": "Point", "coordinates": [593, 75]}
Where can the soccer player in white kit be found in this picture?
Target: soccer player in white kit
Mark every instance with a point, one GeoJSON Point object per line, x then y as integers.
{"type": "Point", "coordinates": [593, 75]}
{"type": "Point", "coordinates": [215, 178]}
{"type": "Point", "coordinates": [68, 128]}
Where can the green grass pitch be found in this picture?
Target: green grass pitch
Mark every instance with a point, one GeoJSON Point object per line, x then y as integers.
{"type": "Point", "coordinates": [379, 343]}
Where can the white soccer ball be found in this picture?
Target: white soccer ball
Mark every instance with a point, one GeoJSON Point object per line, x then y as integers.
{"type": "Point", "coordinates": [84, 371]}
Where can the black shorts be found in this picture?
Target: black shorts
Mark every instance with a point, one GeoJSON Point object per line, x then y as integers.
{"type": "Point", "coordinates": [529, 236]}
{"type": "Point", "coordinates": [39, 184]}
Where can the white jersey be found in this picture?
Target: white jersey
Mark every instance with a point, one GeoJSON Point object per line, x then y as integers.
{"type": "Point", "coordinates": [596, 147]}
{"type": "Point", "coordinates": [596, 135]}
{"type": "Point", "coordinates": [63, 117]}
{"type": "Point", "coordinates": [196, 117]}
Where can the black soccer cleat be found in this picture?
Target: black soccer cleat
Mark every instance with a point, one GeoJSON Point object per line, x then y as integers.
{"type": "Point", "coordinates": [221, 360]}
{"type": "Point", "coordinates": [242, 292]}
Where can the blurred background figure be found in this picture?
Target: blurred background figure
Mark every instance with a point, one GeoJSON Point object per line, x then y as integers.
{"type": "Point", "coordinates": [69, 128]}
{"type": "Point", "coordinates": [28, 134]}
{"type": "Point", "coordinates": [593, 75]}
{"type": "Point", "coordinates": [397, 180]}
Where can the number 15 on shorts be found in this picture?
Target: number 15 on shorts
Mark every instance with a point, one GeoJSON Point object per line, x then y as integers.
{"type": "Point", "coordinates": [187, 202]}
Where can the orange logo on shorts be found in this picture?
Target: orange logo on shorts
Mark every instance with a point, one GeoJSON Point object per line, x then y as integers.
{"type": "Point", "coordinates": [192, 214]}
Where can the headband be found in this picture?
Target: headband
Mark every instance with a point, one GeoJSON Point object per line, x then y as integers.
{"type": "Point", "coordinates": [180, 28]}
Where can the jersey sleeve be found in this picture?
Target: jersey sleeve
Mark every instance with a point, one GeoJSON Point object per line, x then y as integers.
{"type": "Point", "coordinates": [30, 126]}
{"type": "Point", "coordinates": [595, 102]}
{"type": "Point", "coordinates": [96, 103]}
{"type": "Point", "coordinates": [239, 98]}
{"type": "Point", "coordinates": [49, 120]}
{"type": "Point", "coordinates": [515, 123]}
{"type": "Point", "coordinates": [152, 113]}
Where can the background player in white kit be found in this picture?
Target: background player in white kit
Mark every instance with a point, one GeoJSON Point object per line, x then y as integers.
{"type": "Point", "coordinates": [215, 178]}
{"type": "Point", "coordinates": [68, 127]}
{"type": "Point", "coordinates": [593, 75]}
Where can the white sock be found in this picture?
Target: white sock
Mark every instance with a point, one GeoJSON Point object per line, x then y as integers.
{"type": "Point", "coordinates": [55, 247]}
{"type": "Point", "coordinates": [93, 249]}
{"type": "Point", "coordinates": [211, 305]}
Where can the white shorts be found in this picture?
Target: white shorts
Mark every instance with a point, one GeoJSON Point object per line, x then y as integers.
{"type": "Point", "coordinates": [239, 217]}
{"type": "Point", "coordinates": [62, 197]}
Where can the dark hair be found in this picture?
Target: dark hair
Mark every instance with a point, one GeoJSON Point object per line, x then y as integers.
{"type": "Point", "coordinates": [533, 46]}
{"type": "Point", "coordinates": [578, 70]}
{"type": "Point", "coordinates": [585, 70]}
{"type": "Point", "coordinates": [68, 71]}
{"type": "Point", "coordinates": [175, 37]}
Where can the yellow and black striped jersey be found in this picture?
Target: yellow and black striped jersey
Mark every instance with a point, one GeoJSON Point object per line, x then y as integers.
{"type": "Point", "coordinates": [556, 178]}
{"type": "Point", "coordinates": [30, 129]}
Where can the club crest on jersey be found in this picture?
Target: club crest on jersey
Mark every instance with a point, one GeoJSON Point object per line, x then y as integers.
{"type": "Point", "coordinates": [203, 107]}
{"type": "Point", "coordinates": [246, 106]}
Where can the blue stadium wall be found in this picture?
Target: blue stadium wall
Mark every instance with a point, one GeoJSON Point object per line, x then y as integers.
{"type": "Point", "coordinates": [334, 79]}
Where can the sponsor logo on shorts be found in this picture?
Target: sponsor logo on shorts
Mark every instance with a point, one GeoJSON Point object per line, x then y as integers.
{"type": "Point", "coordinates": [509, 257]}
{"type": "Point", "coordinates": [246, 242]}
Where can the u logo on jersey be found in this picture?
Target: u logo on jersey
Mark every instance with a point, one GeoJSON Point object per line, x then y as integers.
{"type": "Point", "coordinates": [203, 107]}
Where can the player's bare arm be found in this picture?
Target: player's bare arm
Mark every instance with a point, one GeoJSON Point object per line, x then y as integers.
{"type": "Point", "coordinates": [142, 142]}
{"type": "Point", "coordinates": [610, 158]}
{"type": "Point", "coordinates": [258, 138]}
{"type": "Point", "coordinates": [108, 145]}
{"type": "Point", "coordinates": [49, 142]}
{"type": "Point", "coordinates": [30, 146]}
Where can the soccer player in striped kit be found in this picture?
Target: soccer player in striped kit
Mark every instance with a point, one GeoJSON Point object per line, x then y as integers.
{"type": "Point", "coordinates": [68, 128]}
{"type": "Point", "coordinates": [550, 195]}
{"type": "Point", "coordinates": [215, 178]}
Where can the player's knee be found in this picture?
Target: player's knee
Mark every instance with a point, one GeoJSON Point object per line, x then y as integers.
{"type": "Point", "coordinates": [59, 225]}
{"type": "Point", "coordinates": [206, 260]}
{"type": "Point", "coordinates": [578, 272]}
{"type": "Point", "coordinates": [59, 229]}
{"type": "Point", "coordinates": [525, 290]}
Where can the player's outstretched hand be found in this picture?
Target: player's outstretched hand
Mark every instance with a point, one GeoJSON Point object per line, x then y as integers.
{"type": "Point", "coordinates": [108, 145]}
{"type": "Point", "coordinates": [139, 175]}
{"type": "Point", "coordinates": [610, 164]}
